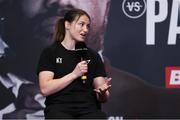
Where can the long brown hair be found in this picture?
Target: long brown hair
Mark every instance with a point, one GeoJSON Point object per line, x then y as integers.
{"type": "Point", "coordinates": [70, 16]}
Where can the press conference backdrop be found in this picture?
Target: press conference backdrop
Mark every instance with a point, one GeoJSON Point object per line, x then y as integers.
{"type": "Point", "coordinates": [144, 37]}
{"type": "Point", "coordinates": [141, 42]}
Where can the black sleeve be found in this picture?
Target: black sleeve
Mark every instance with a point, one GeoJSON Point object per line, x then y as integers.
{"type": "Point", "coordinates": [46, 62]}
{"type": "Point", "coordinates": [100, 70]}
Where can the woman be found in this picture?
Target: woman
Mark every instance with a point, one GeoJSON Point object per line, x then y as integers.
{"type": "Point", "coordinates": [60, 71]}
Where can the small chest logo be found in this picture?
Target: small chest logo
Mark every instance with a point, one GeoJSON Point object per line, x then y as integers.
{"type": "Point", "coordinates": [59, 60]}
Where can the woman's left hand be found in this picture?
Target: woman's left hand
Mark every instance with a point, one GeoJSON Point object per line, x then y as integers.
{"type": "Point", "coordinates": [103, 88]}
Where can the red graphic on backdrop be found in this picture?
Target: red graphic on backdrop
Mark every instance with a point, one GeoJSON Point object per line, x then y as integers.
{"type": "Point", "coordinates": [172, 77]}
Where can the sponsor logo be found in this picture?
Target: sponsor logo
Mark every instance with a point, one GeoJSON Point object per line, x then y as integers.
{"type": "Point", "coordinates": [172, 77]}
{"type": "Point", "coordinates": [134, 8]}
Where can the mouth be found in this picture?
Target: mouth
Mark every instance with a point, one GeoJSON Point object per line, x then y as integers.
{"type": "Point", "coordinates": [83, 35]}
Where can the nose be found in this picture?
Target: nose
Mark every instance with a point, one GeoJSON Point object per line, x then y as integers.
{"type": "Point", "coordinates": [86, 29]}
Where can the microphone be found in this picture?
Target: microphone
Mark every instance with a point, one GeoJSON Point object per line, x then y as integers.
{"type": "Point", "coordinates": [81, 52]}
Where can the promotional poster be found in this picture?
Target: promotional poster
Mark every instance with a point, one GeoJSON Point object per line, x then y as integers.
{"type": "Point", "coordinates": [138, 41]}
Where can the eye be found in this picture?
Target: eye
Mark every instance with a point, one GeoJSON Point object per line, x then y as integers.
{"type": "Point", "coordinates": [88, 26]}
{"type": "Point", "coordinates": [81, 24]}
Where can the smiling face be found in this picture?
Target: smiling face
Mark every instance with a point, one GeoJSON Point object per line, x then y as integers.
{"type": "Point", "coordinates": [78, 29]}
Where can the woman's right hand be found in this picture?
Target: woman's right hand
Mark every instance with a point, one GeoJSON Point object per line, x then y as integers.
{"type": "Point", "coordinates": [81, 68]}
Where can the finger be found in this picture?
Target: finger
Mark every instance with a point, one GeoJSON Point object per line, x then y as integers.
{"type": "Point", "coordinates": [84, 62]}
{"type": "Point", "coordinates": [108, 81]}
{"type": "Point", "coordinates": [96, 90]}
{"type": "Point", "coordinates": [109, 86]}
{"type": "Point", "coordinates": [84, 68]}
{"type": "Point", "coordinates": [101, 91]}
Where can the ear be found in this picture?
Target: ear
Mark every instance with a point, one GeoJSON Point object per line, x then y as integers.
{"type": "Point", "coordinates": [67, 25]}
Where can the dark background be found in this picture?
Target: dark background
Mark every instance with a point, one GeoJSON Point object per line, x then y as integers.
{"type": "Point", "coordinates": [125, 45]}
